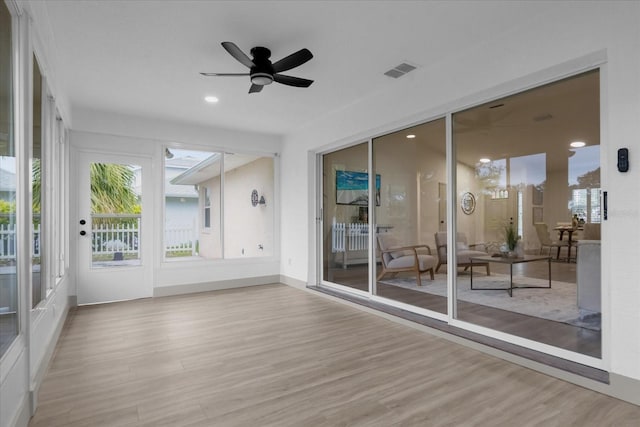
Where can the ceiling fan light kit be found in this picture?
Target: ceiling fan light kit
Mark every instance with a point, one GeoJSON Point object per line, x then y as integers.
{"type": "Point", "coordinates": [262, 71]}
{"type": "Point", "coordinates": [261, 79]}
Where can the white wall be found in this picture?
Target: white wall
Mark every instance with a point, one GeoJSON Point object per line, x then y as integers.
{"type": "Point", "coordinates": [567, 38]}
{"type": "Point", "coordinates": [248, 226]}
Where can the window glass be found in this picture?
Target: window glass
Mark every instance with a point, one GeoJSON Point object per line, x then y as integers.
{"type": "Point", "coordinates": [8, 246]}
{"type": "Point", "coordinates": [192, 204]}
{"type": "Point", "coordinates": [38, 276]}
{"type": "Point", "coordinates": [195, 182]}
{"type": "Point", "coordinates": [207, 207]}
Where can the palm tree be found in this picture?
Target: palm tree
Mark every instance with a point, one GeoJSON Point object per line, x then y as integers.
{"type": "Point", "coordinates": [111, 188]}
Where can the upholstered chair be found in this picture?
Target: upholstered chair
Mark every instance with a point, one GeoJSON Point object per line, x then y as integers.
{"type": "Point", "coordinates": [396, 258]}
{"type": "Point", "coordinates": [464, 251]}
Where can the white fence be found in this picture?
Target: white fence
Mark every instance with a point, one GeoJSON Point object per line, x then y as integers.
{"type": "Point", "coordinates": [108, 239]}
{"type": "Point", "coordinates": [178, 239]}
{"type": "Point", "coordinates": [8, 241]}
{"type": "Point", "coordinates": [346, 239]}
{"type": "Point", "coordinates": [349, 237]}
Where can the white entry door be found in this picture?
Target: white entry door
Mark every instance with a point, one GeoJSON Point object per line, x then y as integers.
{"type": "Point", "coordinates": [114, 226]}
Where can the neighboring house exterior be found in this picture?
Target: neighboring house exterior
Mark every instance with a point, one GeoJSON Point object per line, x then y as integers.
{"type": "Point", "coordinates": [249, 231]}
{"type": "Point", "coordinates": [7, 185]}
{"type": "Point", "coordinates": [181, 201]}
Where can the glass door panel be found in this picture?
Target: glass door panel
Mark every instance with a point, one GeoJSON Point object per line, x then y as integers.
{"type": "Point", "coordinates": [535, 192]}
{"type": "Point", "coordinates": [115, 214]}
{"type": "Point", "coordinates": [411, 168]}
{"type": "Point", "coordinates": [345, 232]}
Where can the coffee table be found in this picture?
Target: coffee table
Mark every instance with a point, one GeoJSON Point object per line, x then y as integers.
{"type": "Point", "coordinates": [510, 262]}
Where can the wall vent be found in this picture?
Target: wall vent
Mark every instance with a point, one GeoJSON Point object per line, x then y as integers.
{"type": "Point", "coordinates": [400, 70]}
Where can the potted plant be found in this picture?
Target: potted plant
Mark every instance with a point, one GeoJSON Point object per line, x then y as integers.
{"type": "Point", "coordinates": [511, 239]}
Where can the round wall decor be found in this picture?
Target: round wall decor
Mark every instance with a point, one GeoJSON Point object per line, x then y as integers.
{"type": "Point", "coordinates": [468, 203]}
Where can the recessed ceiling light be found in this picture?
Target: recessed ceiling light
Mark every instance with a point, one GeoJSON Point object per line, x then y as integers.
{"type": "Point", "coordinates": [411, 136]}
{"type": "Point", "coordinates": [484, 160]}
{"type": "Point", "coordinates": [211, 99]}
{"type": "Point", "coordinates": [577, 144]}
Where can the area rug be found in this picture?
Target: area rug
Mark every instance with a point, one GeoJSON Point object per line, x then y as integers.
{"type": "Point", "coordinates": [558, 303]}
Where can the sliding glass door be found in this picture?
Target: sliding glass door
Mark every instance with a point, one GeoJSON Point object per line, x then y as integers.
{"type": "Point", "coordinates": [411, 167]}
{"type": "Point", "coordinates": [502, 236]}
{"type": "Point", "coordinates": [531, 163]}
{"type": "Point", "coordinates": [345, 231]}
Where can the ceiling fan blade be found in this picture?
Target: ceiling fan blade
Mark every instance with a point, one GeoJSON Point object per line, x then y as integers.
{"type": "Point", "coordinates": [255, 88]}
{"type": "Point", "coordinates": [292, 81]}
{"type": "Point", "coordinates": [225, 74]}
{"type": "Point", "coordinates": [292, 61]}
{"type": "Point", "coordinates": [238, 54]}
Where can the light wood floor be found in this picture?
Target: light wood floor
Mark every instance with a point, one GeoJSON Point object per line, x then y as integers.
{"type": "Point", "coordinates": [278, 356]}
{"type": "Point", "coordinates": [557, 334]}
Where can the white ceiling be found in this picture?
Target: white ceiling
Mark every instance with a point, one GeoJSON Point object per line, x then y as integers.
{"type": "Point", "coordinates": [143, 57]}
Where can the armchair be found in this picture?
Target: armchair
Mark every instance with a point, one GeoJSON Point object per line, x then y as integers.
{"type": "Point", "coordinates": [464, 251]}
{"type": "Point", "coordinates": [395, 258]}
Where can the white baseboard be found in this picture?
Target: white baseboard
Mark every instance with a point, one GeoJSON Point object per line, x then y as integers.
{"type": "Point", "coordinates": [166, 291]}
{"type": "Point", "coordinates": [295, 283]}
{"type": "Point", "coordinates": [22, 418]}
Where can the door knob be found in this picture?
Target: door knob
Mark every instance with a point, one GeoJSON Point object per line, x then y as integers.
{"type": "Point", "coordinates": [82, 233]}
{"type": "Point", "coordinates": [83, 222]}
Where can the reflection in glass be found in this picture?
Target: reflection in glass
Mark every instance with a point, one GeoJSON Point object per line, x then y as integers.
{"type": "Point", "coordinates": [345, 230]}
{"type": "Point", "coordinates": [529, 180]}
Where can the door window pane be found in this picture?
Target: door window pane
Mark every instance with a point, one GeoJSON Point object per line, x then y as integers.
{"type": "Point", "coordinates": [115, 214]}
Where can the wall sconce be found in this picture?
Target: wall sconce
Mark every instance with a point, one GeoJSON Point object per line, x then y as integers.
{"type": "Point", "coordinates": [168, 154]}
{"type": "Point", "coordinates": [257, 200]}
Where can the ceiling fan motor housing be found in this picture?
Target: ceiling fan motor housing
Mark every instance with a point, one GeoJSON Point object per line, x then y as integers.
{"type": "Point", "coordinates": [262, 73]}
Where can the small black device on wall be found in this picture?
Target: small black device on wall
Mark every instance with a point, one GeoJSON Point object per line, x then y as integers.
{"type": "Point", "coordinates": [623, 159]}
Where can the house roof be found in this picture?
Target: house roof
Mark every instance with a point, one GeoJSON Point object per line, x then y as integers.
{"type": "Point", "coordinates": [210, 168]}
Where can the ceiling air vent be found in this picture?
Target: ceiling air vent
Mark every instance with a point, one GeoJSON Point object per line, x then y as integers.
{"type": "Point", "coordinates": [400, 70]}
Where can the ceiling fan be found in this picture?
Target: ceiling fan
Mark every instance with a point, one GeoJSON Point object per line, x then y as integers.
{"type": "Point", "coordinates": [262, 71]}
